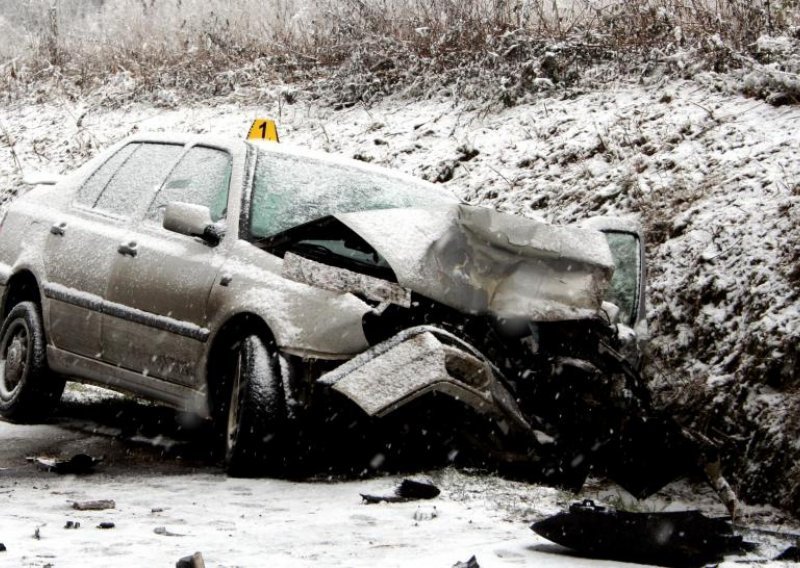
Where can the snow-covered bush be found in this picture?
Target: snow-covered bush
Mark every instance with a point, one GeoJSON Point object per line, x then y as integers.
{"type": "Point", "coordinates": [214, 46]}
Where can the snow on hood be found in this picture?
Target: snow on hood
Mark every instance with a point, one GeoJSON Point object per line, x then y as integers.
{"type": "Point", "coordinates": [479, 260]}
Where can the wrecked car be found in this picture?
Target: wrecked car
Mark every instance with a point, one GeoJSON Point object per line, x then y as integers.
{"type": "Point", "coordinates": [238, 279]}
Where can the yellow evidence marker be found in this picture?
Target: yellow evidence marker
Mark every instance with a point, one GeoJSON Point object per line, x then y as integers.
{"type": "Point", "coordinates": [263, 129]}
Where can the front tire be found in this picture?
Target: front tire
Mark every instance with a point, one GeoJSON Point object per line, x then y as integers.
{"type": "Point", "coordinates": [255, 417]}
{"type": "Point", "coordinates": [28, 390]}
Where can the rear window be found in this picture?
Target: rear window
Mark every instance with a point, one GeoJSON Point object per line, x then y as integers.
{"type": "Point", "coordinates": [138, 179]}
{"type": "Point", "coordinates": [97, 182]}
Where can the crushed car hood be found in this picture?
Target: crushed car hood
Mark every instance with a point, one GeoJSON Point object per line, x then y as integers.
{"type": "Point", "coordinates": [480, 261]}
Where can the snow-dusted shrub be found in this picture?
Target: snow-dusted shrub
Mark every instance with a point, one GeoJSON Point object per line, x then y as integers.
{"type": "Point", "coordinates": [215, 46]}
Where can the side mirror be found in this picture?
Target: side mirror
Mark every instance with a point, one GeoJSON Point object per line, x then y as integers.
{"type": "Point", "coordinates": [193, 220]}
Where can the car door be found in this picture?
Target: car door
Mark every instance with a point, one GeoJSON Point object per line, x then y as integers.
{"type": "Point", "coordinates": [78, 256]}
{"type": "Point", "coordinates": [164, 281]}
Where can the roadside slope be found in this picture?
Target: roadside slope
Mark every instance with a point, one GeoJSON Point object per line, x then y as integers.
{"type": "Point", "coordinates": [714, 177]}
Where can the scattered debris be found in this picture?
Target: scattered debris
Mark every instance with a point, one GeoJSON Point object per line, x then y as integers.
{"type": "Point", "coordinates": [471, 563]}
{"type": "Point", "coordinates": [408, 490]}
{"type": "Point", "coordinates": [157, 510]}
{"type": "Point", "coordinates": [426, 515]}
{"type": "Point", "coordinates": [164, 532]}
{"type": "Point", "coordinates": [680, 539]}
{"type": "Point", "coordinates": [106, 525]}
{"type": "Point", "coordinates": [791, 554]}
{"type": "Point", "coordinates": [72, 525]}
{"type": "Point", "coordinates": [98, 505]}
{"type": "Point", "coordinates": [37, 534]}
{"type": "Point", "coordinates": [2, 547]}
{"type": "Point", "coordinates": [77, 464]}
{"type": "Point", "coordinates": [193, 561]}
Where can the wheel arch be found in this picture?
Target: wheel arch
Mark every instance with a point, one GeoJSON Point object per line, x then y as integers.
{"type": "Point", "coordinates": [235, 327]}
{"type": "Point", "coordinates": [23, 286]}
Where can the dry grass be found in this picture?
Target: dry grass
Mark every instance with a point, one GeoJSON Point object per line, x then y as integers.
{"type": "Point", "coordinates": [82, 42]}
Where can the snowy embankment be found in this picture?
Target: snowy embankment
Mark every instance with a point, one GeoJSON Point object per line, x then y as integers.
{"type": "Point", "coordinates": [713, 176]}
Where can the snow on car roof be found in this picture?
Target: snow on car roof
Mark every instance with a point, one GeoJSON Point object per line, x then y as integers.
{"type": "Point", "coordinates": [235, 145]}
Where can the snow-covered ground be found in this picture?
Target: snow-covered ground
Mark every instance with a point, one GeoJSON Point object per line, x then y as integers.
{"type": "Point", "coordinates": [168, 506]}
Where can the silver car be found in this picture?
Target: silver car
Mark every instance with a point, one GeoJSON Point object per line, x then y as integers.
{"type": "Point", "coordinates": [240, 279]}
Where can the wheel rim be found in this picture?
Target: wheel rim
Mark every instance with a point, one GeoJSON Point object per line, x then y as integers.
{"type": "Point", "coordinates": [14, 349]}
{"type": "Point", "coordinates": [233, 407]}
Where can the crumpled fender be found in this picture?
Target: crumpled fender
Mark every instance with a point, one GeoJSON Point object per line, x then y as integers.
{"type": "Point", "coordinates": [481, 261]}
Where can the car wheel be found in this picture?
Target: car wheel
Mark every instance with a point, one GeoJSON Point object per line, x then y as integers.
{"type": "Point", "coordinates": [28, 391]}
{"type": "Point", "coordinates": [256, 419]}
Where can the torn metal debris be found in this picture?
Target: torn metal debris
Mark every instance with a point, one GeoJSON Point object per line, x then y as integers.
{"type": "Point", "coordinates": [683, 539]}
{"type": "Point", "coordinates": [193, 561]}
{"type": "Point", "coordinates": [97, 505]}
{"type": "Point", "coordinates": [408, 490]}
{"type": "Point", "coordinates": [77, 464]}
{"type": "Point", "coordinates": [471, 563]}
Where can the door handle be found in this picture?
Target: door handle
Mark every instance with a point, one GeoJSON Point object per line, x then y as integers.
{"type": "Point", "coordinates": [127, 249]}
{"type": "Point", "coordinates": [58, 229]}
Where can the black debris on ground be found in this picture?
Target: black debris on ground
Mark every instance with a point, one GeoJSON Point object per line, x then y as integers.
{"type": "Point", "coordinates": [408, 490]}
{"type": "Point", "coordinates": [471, 563]}
{"type": "Point", "coordinates": [791, 554]}
{"type": "Point", "coordinates": [193, 561]}
{"type": "Point", "coordinates": [2, 547]}
{"type": "Point", "coordinates": [106, 525]}
{"type": "Point", "coordinates": [681, 539]}
{"type": "Point", "coordinates": [72, 525]}
{"type": "Point", "coordinates": [77, 464]}
{"type": "Point", "coordinates": [96, 505]}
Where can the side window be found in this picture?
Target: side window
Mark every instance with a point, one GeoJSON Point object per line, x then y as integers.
{"type": "Point", "coordinates": [624, 290]}
{"type": "Point", "coordinates": [202, 177]}
{"type": "Point", "coordinates": [138, 178]}
{"type": "Point", "coordinates": [97, 182]}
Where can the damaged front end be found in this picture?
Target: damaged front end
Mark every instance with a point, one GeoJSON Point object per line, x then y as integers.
{"type": "Point", "coordinates": [423, 360]}
{"type": "Point", "coordinates": [507, 317]}
{"type": "Point", "coordinates": [556, 422]}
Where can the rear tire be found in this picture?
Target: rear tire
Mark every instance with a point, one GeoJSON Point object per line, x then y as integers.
{"type": "Point", "coordinates": [28, 390]}
{"type": "Point", "coordinates": [254, 416]}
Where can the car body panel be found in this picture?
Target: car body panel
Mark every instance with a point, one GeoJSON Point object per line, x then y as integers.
{"type": "Point", "coordinates": [303, 319]}
{"type": "Point", "coordinates": [480, 261]}
{"type": "Point", "coordinates": [171, 276]}
{"type": "Point", "coordinates": [77, 265]}
{"type": "Point", "coordinates": [420, 361]}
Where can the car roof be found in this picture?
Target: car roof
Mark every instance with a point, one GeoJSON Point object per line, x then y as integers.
{"type": "Point", "coordinates": [238, 145]}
